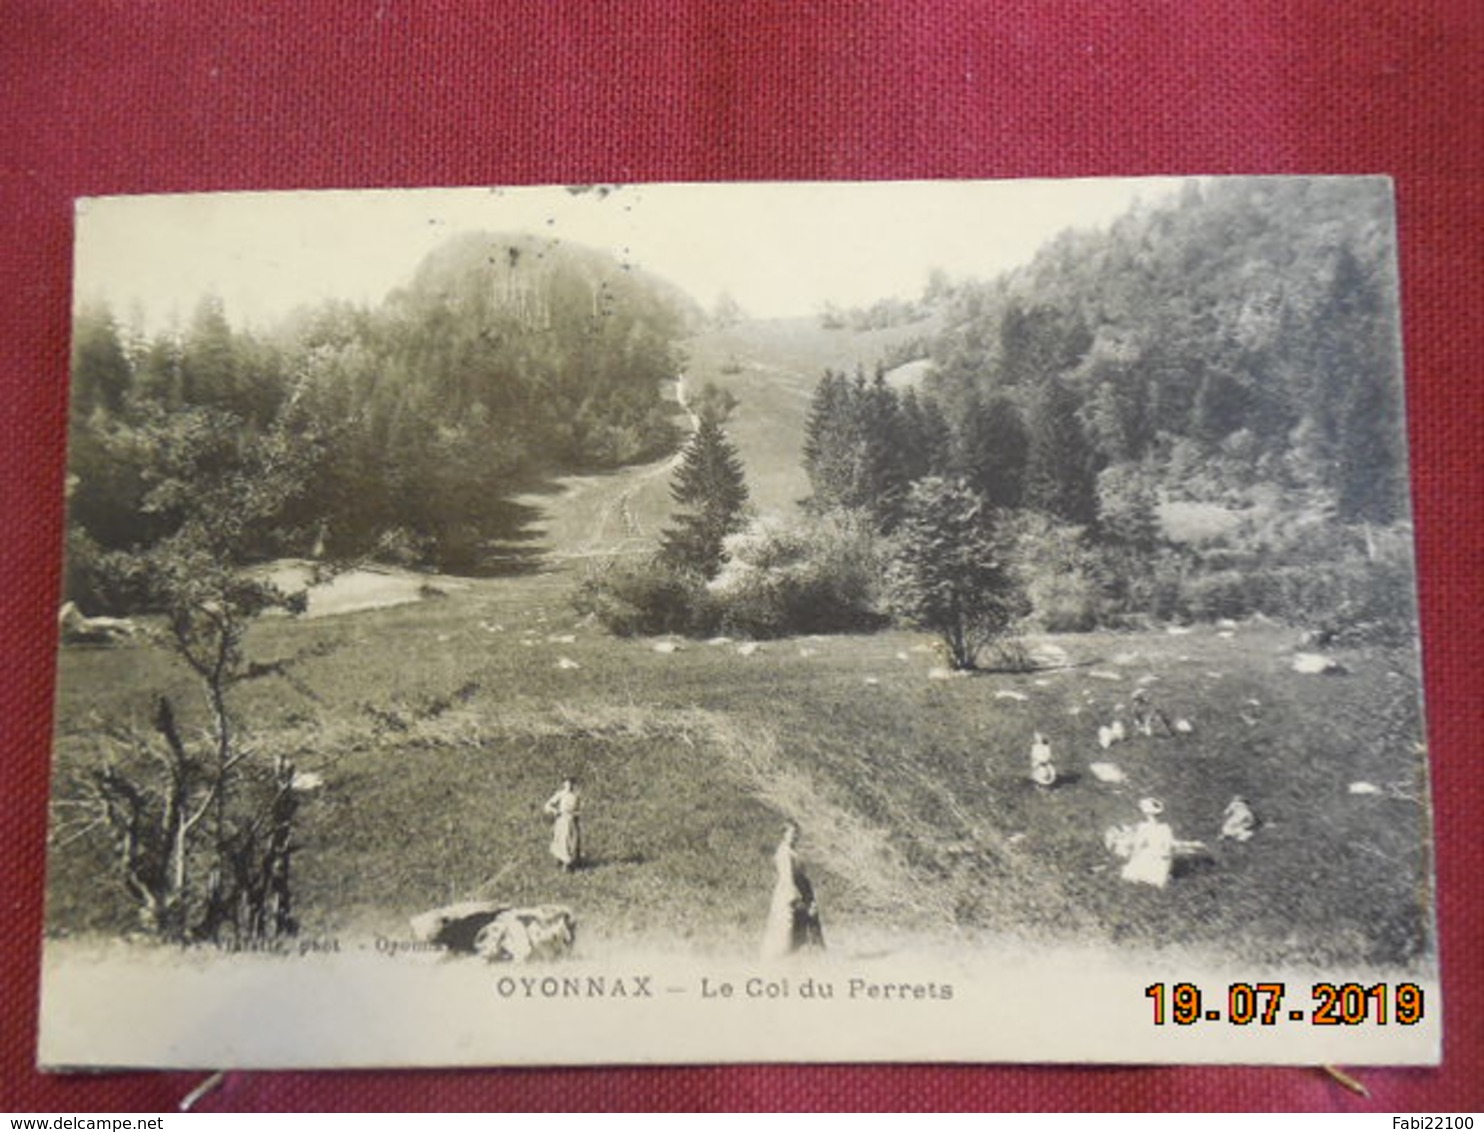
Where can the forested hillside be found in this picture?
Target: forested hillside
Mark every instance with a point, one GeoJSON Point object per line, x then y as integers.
{"type": "Point", "coordinates": [1244, 333]}
{"type": "Point", "coordinates": [1195, 413]}
{"type": "Point", "coordinates": [504, 359]}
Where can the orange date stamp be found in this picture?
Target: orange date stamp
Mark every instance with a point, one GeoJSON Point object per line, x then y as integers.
{"type": "Point", "coordinates": [1269, 1004]}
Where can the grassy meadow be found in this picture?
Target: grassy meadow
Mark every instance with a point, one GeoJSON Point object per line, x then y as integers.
{"type": "Point", "coordinates": [441, 727]}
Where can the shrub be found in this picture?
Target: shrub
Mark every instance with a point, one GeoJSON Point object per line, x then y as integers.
{"type": "Point", "coordinates": [1060, 575]}
{"type": "Point", "coordinates": [785, 578]}
{"type": "Point", "coordinates": [649, 598]}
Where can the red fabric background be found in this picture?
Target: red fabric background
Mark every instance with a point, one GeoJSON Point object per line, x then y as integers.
{"type": "Point", "coordinates": [125, 97]}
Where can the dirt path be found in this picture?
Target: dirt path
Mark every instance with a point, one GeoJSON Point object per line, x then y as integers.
{"type": "Point", "coordinates": [612, 515]}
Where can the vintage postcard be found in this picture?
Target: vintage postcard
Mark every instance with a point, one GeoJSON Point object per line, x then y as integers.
{"type": "Point", "coordinates": [756, 622]}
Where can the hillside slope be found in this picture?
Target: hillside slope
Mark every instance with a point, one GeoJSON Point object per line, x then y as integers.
{"type": "Point", "coordinates": [771, 366]}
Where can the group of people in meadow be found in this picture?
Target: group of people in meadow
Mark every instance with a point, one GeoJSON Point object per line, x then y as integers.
{"type": "Point", "coordinates": [1147, 849]}
{"type": "Point", "coordinates": [1150, 848]}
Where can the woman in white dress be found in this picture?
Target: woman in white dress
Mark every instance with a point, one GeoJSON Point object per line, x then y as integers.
{"type": "Point", "coordinates": [566, 832]}
{"type": "Point", "coordinates": [1153, 848]}
{"type": "Point", "coordinates": [793, 916]}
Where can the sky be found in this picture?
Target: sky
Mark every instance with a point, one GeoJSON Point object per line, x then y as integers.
{"type": "Point", "coordinates": [778, 249]}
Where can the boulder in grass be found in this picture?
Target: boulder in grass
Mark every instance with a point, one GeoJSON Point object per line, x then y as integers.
{"type": "Point", "coordinates": [499, 932]}
{"type": "Point", "coordinates": [1049, 656]}
{"type": "Point", "coordinates": [567, 664]}
{"type": "Point", "coordinates": [78, 629]}
{"type": "Point", "coordinates": [1107, 772]}
{"type": "Point", "coordinates": [455, 926]}
{"type": "Point", "coordinates": [1317, 664]}
{"type": "Point", "coordinates": [947, 673]}
{"type": "Point", "coordinates": [528, 935]}
{"type": "Point", "coordinates": [666, 646]}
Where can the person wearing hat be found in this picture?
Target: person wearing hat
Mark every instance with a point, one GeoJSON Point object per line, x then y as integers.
{"type": "Point", "coordinates": [1153, 847]}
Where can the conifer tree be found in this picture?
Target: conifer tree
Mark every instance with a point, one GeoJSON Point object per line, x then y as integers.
{"type": "Point", "coordinates": [710, 488]}
{"type": "Point", "coordinates": [991, 450]}
{"type": "Point", "coordinates": [1058, 476]}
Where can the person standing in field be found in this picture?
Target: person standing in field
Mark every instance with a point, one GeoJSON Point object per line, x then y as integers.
{"type": "Point", "coordinates": [793, 917]}
{"type": "Point", "coordinates": [566, 831]}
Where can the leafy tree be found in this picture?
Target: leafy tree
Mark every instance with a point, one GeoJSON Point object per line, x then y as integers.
{"type": "Point", "coordinates": [710, 487]}
{"type": "Point", "coordinates": [713, 402]}
{"type": "Point", "coordinates": [1128, 506]}
{"type": "Point", "coordinates": [202, 832]}
{"type": "Point", "coordinates": [949, 573]}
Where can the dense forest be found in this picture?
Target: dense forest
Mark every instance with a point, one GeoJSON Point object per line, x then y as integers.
{"type": "Point", "coordinates": [505, 359]}
{"type": "Point", "coordinates": [1194, 413]}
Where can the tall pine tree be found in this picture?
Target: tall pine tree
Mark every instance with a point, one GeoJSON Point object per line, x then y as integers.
{"type": "Point", "coordinates": [710, 488]}
{"type": "Point", "coordinates": [1059, 472]}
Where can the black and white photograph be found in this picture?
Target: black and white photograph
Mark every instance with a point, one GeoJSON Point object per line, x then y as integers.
{"type": "Point", "coordinates": [677, 623]}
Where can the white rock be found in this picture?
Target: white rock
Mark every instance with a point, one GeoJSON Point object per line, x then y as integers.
{"type": "Point", "coordinates": [1049, 656]}
{"type": "Point", "coordinates": [747, 648]}
{"type": "Point", "coordinates": [1107, 772]}
{"type": "Point", "coordinates": [1003, 694]}
{"type": "Point", "coordinates": [567, 663]}
{"type": "Point", "coordinates": [665, 646]}
{"type": "Point", "coordinates": [1316, 664]}
{"type": "Point", "coordinates": [1364, 788]}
